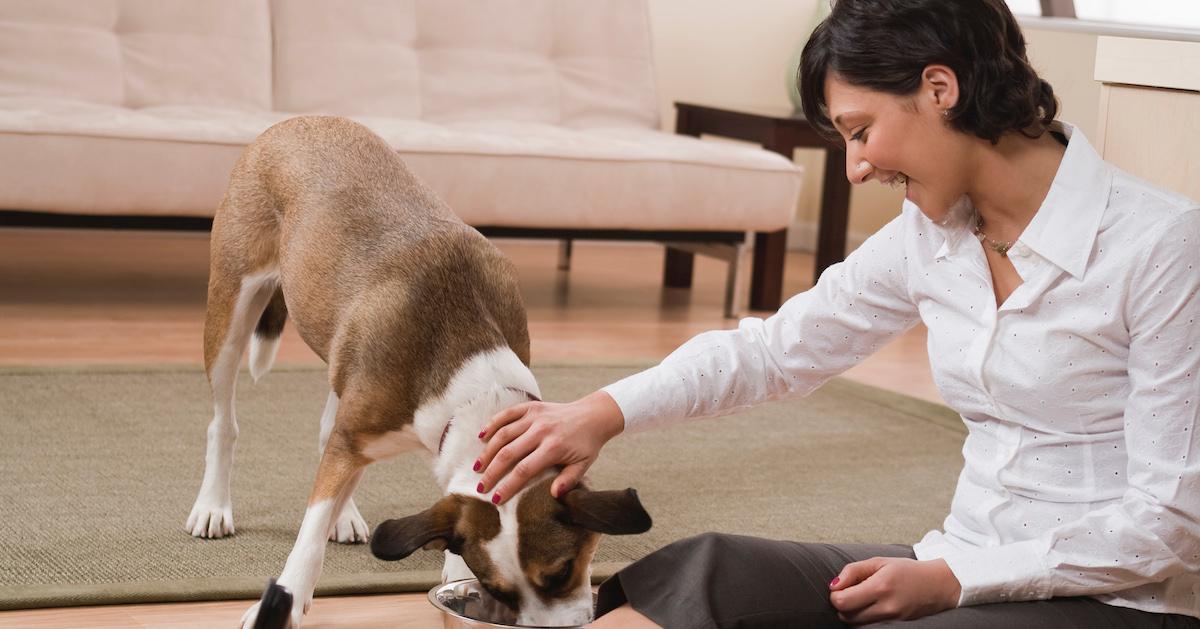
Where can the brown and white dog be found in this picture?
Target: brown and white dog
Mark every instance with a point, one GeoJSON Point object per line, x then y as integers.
{"type": "Point", "coordinates": [421, 323]}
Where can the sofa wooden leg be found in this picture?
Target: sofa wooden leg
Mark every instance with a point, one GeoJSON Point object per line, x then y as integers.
{"type": "Point", "coordinates": [565, 247]}
{"type": "Point", "coordinates": [677, 268]}
{"type": "Point", "coordinates": [766, 282]}
{"type": "Point", "coordinates": [735, 281]}
{"type": "Point", "coordinates": [734, 254]}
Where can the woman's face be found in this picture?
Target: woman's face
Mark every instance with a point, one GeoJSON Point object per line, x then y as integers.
{"type": "Point", "coordinates": [904, 140]}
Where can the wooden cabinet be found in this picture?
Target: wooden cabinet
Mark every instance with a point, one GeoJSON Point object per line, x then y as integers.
{"type": "Point", "coordinates": [1150, 109]}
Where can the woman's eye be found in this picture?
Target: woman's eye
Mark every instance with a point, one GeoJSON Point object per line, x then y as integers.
{"type": "Point", "coordinates": [861, 135]}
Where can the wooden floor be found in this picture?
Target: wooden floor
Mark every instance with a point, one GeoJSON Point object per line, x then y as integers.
{"type": "Point", "coordinates": [74, 297]}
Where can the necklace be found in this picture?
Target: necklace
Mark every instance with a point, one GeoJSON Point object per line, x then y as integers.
{"type": "Point", "coordinates": [999, 246]}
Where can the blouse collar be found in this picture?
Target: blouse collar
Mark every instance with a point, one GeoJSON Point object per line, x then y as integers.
{"type": "Point", "coordinates": [1064, 228]}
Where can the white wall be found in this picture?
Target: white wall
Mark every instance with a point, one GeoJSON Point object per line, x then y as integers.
{"type": "Point", "coordinates": [726, 52]}
{"type": "Point", "coordinates": [1068, 61]}
{"type": "Point", "coordinates": [734, 53]}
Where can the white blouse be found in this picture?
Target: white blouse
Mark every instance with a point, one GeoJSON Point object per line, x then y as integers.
{"type": "Point", "coordinates": [1081, 394]}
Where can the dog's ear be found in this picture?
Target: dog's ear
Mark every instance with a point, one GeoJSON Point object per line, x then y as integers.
{"type": "Point", "coordinates": [432, 529]}
{"type": "Point", "coordinates": [613, 512]}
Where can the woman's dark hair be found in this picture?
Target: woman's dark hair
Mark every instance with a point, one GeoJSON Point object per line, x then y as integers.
{"type": "Point", "coordinates": [885, 45]}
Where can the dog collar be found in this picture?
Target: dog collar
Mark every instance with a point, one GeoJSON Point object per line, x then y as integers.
{"type": "Point", "coordinates": [445, 431]}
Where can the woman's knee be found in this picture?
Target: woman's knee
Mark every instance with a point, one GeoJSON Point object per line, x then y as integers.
{"type": "Point", "coordinates": [737, 580]}
{"type": "Point", "coordinates": [713, 552]}
{"type": "Point", "coordinates": [704, 542]}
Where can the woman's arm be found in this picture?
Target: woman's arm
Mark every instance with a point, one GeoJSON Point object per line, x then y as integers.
{"type": "Point", "coordinates": [855, 308]}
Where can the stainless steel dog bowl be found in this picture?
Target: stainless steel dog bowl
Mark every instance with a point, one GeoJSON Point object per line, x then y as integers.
{"type": "Point", "coordinates": [466, 605]}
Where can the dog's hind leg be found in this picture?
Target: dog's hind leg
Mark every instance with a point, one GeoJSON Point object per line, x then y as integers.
{"type": "Point", "coordinates": [235, 305]}
{"type": "Point", "coordinates": [350, 527]}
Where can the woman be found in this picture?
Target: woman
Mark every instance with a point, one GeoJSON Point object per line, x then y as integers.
{"type": "Point", "coordinates": [1061, 296]}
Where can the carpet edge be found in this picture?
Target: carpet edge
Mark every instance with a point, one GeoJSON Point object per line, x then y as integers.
{"type": "Point", "coordinates": [195, 367]}
{"type": "Point", "coordinates": [45, 596]}
{"type": "Point", "coordinates": [923, 410]}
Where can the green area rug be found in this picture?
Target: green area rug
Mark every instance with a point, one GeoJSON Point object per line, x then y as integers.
{"type": "Point", "coordinates": [100, 467]}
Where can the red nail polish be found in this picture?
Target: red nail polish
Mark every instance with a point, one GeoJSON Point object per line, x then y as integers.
{"type": "Point", "coordinates": [479, 488]}
{"type": "Point", "coordinates": [495, 499]}
{"type": "Point", "coordinates": [477, 466]}
{"type": "Point", "coordinates": [482, 433]}
{"type": "Point", "coordinates": [834, 581]}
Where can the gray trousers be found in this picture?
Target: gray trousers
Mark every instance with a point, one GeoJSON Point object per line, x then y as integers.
{"type": "Point", "coordinates": [715, 581]}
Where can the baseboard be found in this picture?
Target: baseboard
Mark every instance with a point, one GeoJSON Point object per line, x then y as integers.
{"type": "Point", "coordinates": [802, 236]}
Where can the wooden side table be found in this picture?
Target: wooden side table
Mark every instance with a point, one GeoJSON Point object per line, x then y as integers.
{"type": "Point", "coordinates": [781, 130]}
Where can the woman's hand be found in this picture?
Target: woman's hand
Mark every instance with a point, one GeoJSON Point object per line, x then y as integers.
{"type": "Point", "coordinates": [533, 436]}
{"type": "Point", "coordinates": [888, 588]}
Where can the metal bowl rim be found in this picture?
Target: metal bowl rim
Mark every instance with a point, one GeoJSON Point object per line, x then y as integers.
{"type": "Point", "coordinates": [432, 596]}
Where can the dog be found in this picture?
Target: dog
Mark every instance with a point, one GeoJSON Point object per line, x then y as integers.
{"type": "Point", "coordinates": [421, 323]}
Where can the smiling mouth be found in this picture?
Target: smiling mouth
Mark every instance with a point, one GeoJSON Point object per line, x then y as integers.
{"type": "Point", "coordinates": [897, 180]}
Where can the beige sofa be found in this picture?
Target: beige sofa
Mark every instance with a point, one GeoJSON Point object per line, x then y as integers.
{"type": "Point", "coordinates": [529, 117]}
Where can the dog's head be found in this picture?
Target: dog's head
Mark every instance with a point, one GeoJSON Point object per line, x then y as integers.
{"type": "Point", "coordinates": [533, 553]}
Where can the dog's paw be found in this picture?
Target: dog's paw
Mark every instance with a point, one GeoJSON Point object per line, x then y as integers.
{"type": "Point", "coordinates": [350, 527]}
{"type": "Point", "coordinates": [210, 521]}
{"type": "Point", "coordinates": [250, 617]}
{"type": "Point", "coordinates": [293, 622]}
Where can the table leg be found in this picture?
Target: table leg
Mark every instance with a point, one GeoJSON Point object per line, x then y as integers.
{"type": "Point", "coordinates": [835, 213]}
{"type": "Point", "coordinates": [766, 280]}
{"type": "Point", "coordinates": [677, 268]}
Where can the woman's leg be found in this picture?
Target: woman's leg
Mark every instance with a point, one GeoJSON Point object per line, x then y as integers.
{"type": "Point", "coordinates": [624, 617]}
{"type": "Point", "coordinates": [1056, 613]}
{"type": "Point", "coordinates": [725, 581]}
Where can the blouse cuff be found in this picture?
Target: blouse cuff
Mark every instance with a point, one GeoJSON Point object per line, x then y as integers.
{"type": "Point", "coordinates": [1012, 572]}
{"type": "Point", "coordinates": [644, 398]}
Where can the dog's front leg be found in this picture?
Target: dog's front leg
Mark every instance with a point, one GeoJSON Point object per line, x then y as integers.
{"type": "Point", "coordinates": [337, 476]}
{"type": "Point", "coordinates": [455, 569]}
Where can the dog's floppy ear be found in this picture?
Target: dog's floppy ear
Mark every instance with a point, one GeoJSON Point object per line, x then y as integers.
{"type": "Point", "coordinates": [432, 529]}
{"type": "Point", "coordinates": [613, 512]}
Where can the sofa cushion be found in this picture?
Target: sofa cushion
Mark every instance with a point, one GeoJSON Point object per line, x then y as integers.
{"type": "Point", "coordinates": [184, 52]}
{"type": "Point", "coordinates": [177, 123]}
{"type": "Point", "coordinates": [670, 183]}
{"type": "Point", "coordinates": [352, 58]}
{"type": "Point", "coordinates": [61, 48]}
{"type": "Point", "coordinates": [492, 173]}
{"type": "Point", "coordinates": [111, 176]}
{"type": "Point", "coordinates": [138, 53]}
{"type": "Point", "coordinates": [575, 63]}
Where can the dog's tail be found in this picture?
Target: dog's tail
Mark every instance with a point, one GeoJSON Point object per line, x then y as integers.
{"type": "Point", "coordinates": [265, 343]}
